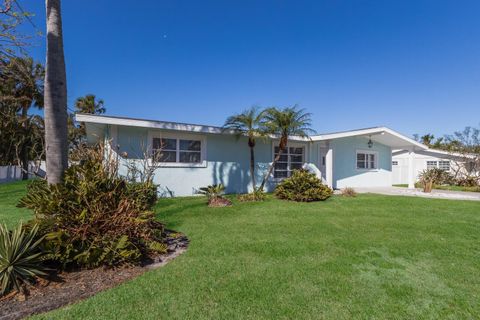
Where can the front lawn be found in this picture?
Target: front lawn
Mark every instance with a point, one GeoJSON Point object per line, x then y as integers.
{"type": "Point", "coordinates": [369, 257]}
{"type": "Point", "coordinates": [10, 193]}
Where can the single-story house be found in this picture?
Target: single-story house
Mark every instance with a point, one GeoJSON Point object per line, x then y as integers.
{"type": "Point", "coordinates": [193, 156]}
{"type": "Point", "coordinates": [454, 163]}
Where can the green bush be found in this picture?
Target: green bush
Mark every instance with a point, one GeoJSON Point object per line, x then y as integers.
{"type": "Point", "coordinates": [302, 186]}
{"type": "Point", "coordinates": [95, 217]}
{"type": "Point", "coordinates": [20, 258]}
{"type": "Point", "coordinates": [145, 194]}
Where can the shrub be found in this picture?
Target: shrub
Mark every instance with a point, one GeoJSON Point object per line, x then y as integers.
{"type": "Point", "coordinates": [144, 193]}
{"type": "Point", "coordinates": [20, 258]}
{"type": "Point", "coordinates": [348, 192]}
{"type": "Point", "coordinates": [212, 191]}
{"type": "Point", "coordinates": [257, 195]}
{"type": "Point", "coordinates": [429, 177]}
{"type": "Point", "coordinates": [302, 186]}
{"type": "Point", "coordinates": [467, 182]}
{"type": "Point", "coordinates": [214, 194]}
{"type": "Point", "coordinates": [95, 217]}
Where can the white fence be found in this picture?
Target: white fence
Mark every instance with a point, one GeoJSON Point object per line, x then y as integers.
{"type": "Point", "coordinates": [13, 173]}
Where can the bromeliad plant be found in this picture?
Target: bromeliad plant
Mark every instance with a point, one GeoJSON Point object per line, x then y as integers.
{"type": "Point", "coordinates": [20, 258]}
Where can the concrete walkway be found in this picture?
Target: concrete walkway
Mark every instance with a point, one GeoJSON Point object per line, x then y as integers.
{"type": "Point", "coordinates": [436, 194]}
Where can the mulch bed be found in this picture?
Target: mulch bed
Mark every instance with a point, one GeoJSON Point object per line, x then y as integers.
{"type": "Point", "coordinates": [70, 287]}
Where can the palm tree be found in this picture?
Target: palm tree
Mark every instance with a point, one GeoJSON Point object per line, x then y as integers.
{"type": "Point", "coordinates": [27, 91]}
{"type": "Point", "coordinates": [287, 122]}
{"type": "Point", "coordinates": [427, 139]}
{"type": "Point", "coordinates": [88, 104]}
{"type": "Point", "coordinates": [249, 124]}
{"type": "Point", "coordinates": [55, 96]}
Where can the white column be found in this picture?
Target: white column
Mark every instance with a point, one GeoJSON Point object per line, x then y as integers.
{"type": "Point", "coordinates": [329, 167]}
{"type": "Point", "coordinates": [411, 169]}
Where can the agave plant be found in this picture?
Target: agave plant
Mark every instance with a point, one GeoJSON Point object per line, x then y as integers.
{"type": "Point", "coordinates": [20, 258]}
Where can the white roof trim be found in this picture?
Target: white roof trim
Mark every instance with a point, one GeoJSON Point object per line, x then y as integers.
{"type": "Point", "coordinates": [366, 132]}
{"type": "Point", "coordinates": [131, 122]}
{"type": "Point", "coordinates": [443, 152]}
{"type": "Point", "coordinates": [177, 126]}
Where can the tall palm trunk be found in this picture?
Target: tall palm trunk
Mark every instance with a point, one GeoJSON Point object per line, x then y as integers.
{"type": "Point", "coordinates": [55, 96]}
{"type": "Point", "coordinates": [281, 147]}
{"type": "Point", "coordinates": [25, 143]}
{"type": "Point", "coordinates": [251, 144]}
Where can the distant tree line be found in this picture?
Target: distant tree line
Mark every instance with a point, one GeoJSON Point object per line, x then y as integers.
{"type": "Point", "coordinates": [22, 126]}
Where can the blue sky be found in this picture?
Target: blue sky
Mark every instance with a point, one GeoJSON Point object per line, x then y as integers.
{"type": "Point", "coordinates": [411, 65]}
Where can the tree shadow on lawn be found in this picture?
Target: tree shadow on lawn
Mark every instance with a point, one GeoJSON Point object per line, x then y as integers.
{"type": "Point", "coordinates": [173, 211]}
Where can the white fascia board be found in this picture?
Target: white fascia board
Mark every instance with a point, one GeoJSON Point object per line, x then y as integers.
{"type": "Point", "coordinates": [90, 118]}
{"type": "Point", "coordinates": [370, 131]}
{"type": "Point", "coordinates": [164, 125]}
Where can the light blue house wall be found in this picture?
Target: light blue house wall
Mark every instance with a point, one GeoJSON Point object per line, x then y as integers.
{"type": "Point", "coordinates": [228, 160]}
{"type": "Point", "coordinates": [345, 172]}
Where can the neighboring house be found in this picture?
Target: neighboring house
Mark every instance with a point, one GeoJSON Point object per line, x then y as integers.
{"type": "Point", "coordinates": [454, 163]}
{"type": "Point", "coordinates": [193, 156]}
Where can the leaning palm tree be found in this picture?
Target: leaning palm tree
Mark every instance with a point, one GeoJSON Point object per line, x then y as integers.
{"type": "Point", "coordinates": [287, 122]}
{"type": "Point", "coordinates": [248, 124]}
{"type": "Point", "coordinates": [55, 100]}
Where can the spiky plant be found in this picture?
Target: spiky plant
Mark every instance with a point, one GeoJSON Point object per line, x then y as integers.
{"type": "Point", "coordinates": [212, 192]}
{"type": "Point", "coordinates": [20, 258]}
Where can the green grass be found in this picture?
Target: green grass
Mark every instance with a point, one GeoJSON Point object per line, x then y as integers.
{"type": "Point", "coordinates": [10, 193]}
{"type": "Point", "coordinates": [450, 188]}
{"type": "Point", "coordinates": [369, 257]}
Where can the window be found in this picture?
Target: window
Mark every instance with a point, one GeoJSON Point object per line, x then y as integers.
{"type": "Point", "coordinates": [394, 163]}
{"type": "Point", "coordinates": [290, 159]}
{"type": "Point", "coordinates": [444, 165]}
{"type": "Point", "coordinates": [366, 160]}
{"type": "Point", "coordinates": [431, 164]}
{"type": "Point", "coordinates": [175, 150]}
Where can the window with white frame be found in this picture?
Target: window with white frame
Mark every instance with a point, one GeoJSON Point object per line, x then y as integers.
{"type": "Point", "coordinates": [444, 165]}
{"type": "Point", "coordinates": [367, 160]}
{"type": "Point", "coordinates": [431, 164]}
{"type": "Point", "coordinates": [290, 159]}
{"type": "Point", "coordinates": [176, 150]}
{"type": "Point", "coordinates": [394, 163]}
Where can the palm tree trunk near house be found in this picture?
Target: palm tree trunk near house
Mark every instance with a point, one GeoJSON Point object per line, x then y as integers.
{"type": "Point", "coordinates": [55, 96]}
{"type": "Point", "coordinates": [251, 144]}
{"type": "Point", "coordinates": [24, 150]}
{"type": "Point", "coordinates": [281, 147]}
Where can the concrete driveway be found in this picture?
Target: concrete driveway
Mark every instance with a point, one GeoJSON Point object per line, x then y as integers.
{"type": "Point", "coordinates": [436, 194]}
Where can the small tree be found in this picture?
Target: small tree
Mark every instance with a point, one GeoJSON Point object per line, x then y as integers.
{"type": "Point", "coordinates": [465, 147]}
{"type": "Point", "coordinates": [287, 122]}
{"type": "Point", "coordinates": [248, 124]}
